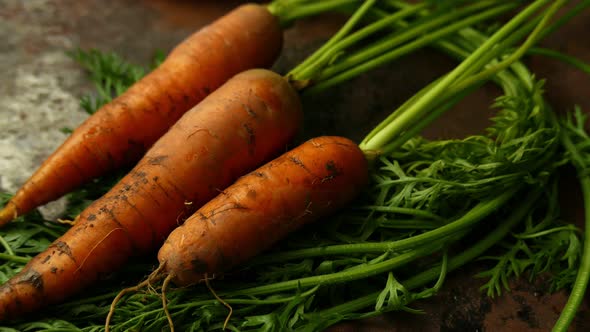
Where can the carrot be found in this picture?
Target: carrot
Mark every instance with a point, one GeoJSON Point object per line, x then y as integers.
{"type": "Point", "coordinates": [232, 131]}
{"type": "Point", "coordinates": [121, 131]}
{"type": "Point", "coordinates": [303, 185]}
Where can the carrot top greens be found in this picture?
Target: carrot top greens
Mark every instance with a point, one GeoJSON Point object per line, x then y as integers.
{"type": "Point", "coordinates": [111, 75]}
{"type": "Point", "coordinates": [399, 240]}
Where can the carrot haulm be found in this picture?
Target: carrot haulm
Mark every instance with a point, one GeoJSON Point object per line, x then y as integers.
{"type": "Point", "coordinates": [131, 219]}
{"type": "Point", "coordinates": [308, 182]}
{"type": "Point", "coordinates": [232, 131]}
{"type": "Point", "coordinates": [121, 131]}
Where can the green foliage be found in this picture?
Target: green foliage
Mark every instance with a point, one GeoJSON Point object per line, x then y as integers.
{"type": "Point", "coordinates": [576, 144]}
{"type": "Point", "coordinates": [424, 199]}
{"type": "Point", "coordinates": [110, 73]}
{"type": "Point", "coordinates": [545, 246]}
{"type": "Point", "coordinates": [433, 182]}
{"type": "Point", "coordinates": [22, 239]}
{"type": "Point", "coordinates": [111, 76]}
{"type": "Point", "coordinates": [289, 11]}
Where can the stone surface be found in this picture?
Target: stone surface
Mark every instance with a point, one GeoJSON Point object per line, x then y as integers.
{"type": "Point", "coordinates": [41, 86]}
{"type": "Point", "coordinates": [38, 95]}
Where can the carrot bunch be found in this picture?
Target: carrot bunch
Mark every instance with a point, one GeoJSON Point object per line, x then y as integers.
{"type": "Point", "coordinates": [241, 222]}
{"type": "Point", "coordinates": [318, 178]}
{"type": "Point", "coordinates": [183, 178]}
{"type": "Point", "coordinates": [241, 207]}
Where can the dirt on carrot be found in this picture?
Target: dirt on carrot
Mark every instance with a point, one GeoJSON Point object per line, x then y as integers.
{"type": "Point", "coordinates": [307, 183]}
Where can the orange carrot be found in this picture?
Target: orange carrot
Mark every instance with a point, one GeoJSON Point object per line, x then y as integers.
{"type": "Point", "coordinates": [121, 131]}
{"type": "Point", "coordinates": [236, 128]}
{"type": "Point", "coordinates": [303, 185]}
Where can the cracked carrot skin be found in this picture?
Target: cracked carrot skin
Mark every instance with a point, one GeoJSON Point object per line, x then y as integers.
{"type": "Point", "coordinates": [120, 132]}
{"type": "Point", "coordinates": [244, 123]}
{"type": "Point", "coordinates": [305, 184]}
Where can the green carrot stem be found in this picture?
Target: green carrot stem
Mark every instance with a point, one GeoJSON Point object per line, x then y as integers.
{"type": "Point", "coordinates": [420, 29]}
{"type": "Point", "coordinates": [532, 39]}
{"type": "Point", "coordinates": [366, 61]}
{"type": "Point", "coordinates": [290, 11]}
{"type": "Point", "coordinates": [454, 95]}
{"type": "Point", "coordinates": [470, 38]}
{"type": "Point", "coordinates": [253, 301]}
{"type": "Point", "coordinates": [455, 262]}
{"type": "Point", "coordinates": [414, 111]}
{"type": "Point", "coordinates": [337, 277]}
{"type": "Point", "coordinates": [579, 288]}
{"type": "Point", "coordinates": [519, 68]}
{"type": "Point", "coordinates": [391, 117]}
{"type": "Point", "coordinates": [476, 214]}
{"type": "Point", "coordinates": [456, 45]}
{"type": "Point", "coordinates": [453, 183]}
{"type": "Point", "coordinates": [406, 224]}
{"type": "Point", "coordinates": [309, 69]}
{"type": "Point", "coordinates": [546, 232]}
{"type": "Point", "coordinates": [14, 258]}
{"type": "Point", "coordinates": [380, 139]}
{"type": "Point", "coordinates": [565, 18]}
{"type": "Point", "coordinates": [194, 304]}
{"type": "Point", "coordinates": [460, 48]}
{"type": "Point", "coordinates": [6, 246]}
{"type": "Point", "coordinates": [443, 271]}
{"type": "Point", "coordinates": [509, 89]}
{"type": "Point", "coordinates": [346, 28]}
{"type": "Point", "coordinates": [426, 121]}
{"type": "Point", "coordinates": [577, 63]}
{"type": "Point", "coordinates": [401, 210]}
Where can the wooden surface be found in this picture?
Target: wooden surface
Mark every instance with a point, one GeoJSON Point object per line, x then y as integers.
{"type": "Point", "coordinates": [136, 28]}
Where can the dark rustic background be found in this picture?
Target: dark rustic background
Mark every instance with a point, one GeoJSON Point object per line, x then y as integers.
{"type": "Point", "coordinates": [40, 87]}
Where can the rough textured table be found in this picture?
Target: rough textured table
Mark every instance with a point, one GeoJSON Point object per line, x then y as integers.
{"type": "Point", "coordinates": [41, 86]}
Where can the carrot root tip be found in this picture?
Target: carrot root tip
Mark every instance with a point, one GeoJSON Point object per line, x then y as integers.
{"type": "Point", "coordinates": [67, 221]}
{"type": "Point", "coordinates": [165, 301]}
{"type": "Point", "coordinates": [154, 276]}
{"type": "Point", "coordinates": [8, 213]}
{"type": "Point", "coordinates": [227, 305]}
